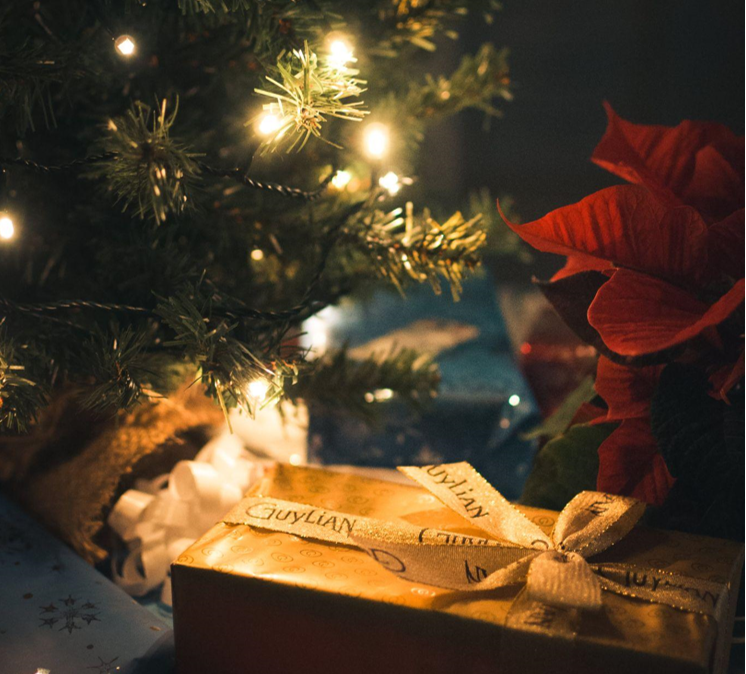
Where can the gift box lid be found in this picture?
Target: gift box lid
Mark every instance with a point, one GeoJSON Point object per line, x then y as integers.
{"type": "Point", "coordinates": [58, 614]}
{"type": "Point", "coordinates": [629, 629]}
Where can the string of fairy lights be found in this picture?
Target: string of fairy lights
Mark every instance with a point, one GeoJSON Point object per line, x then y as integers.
{"type": "Point", "coordinates": [376, 136]}
{"type": "Point", "coordinates": [283, 114]}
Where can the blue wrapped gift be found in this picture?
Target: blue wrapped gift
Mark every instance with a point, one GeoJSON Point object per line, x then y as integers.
{"type": "Point", "coordinates": [59, 615]}
{"type": "Point", "coordinates": [484, 404]}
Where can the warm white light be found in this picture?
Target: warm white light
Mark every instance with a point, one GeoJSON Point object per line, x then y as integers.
{"type": "Point", "coordinates": [316, 335]}
{"type": "Point", "coordinates": [257, 254]}
{"type": "Point", "coordinates": [514, 400]}
{"type": "Point", "coordinates": [258, 389]}
{"type": "Point", "coordinates": [341, 179]}
{"type": "Point", "coordinates": [317, 331]}
{"type": "Point", "coordinates": [295, 459]}
{"type": "Point", "coordinates": [376, 139]}
{"type": "Point", "coordinates": [390, 182]}
{"type": "Point", "coordinates": [379, 395]}
{"type": "Point", "coordinates": [7, 228]}
{"type": "Point", "coordinates": [340, 53]}
{"type": "Point", "coordinates": [268, 124]}
{"type": "Point", "coordinates": [125, 45]}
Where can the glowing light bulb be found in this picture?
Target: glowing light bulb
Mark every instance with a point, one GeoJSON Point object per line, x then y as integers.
{"type": "Point", "coordinates": [379, 395]}
{"type": "Point", "coordinates": [340, 53]}
{"type": "Point", "coordinates": [268, 124]}
{"type": "Point", "coordinates": [258, 389]}
{"type": "Point", "coordinates": [390, 182]}
{"type": "Point", "coordinates": [341, 179]}
{"type": "Point", "coordinates": [295, 459]}
{"type": "Point", "coordinates": [7, 228]}
{"type": "Point", "coordinates": [376, 140]}
{"type": "Point", "coordinates": [125, 45]}
{"type": "Point", "coordinates": [514, 400]}
{"type": "Point", "coordinates": [317, 331]}
{"type": "Point", "coordinates": [257, 254]}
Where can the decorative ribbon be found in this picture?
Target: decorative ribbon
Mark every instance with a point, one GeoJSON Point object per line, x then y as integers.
{"type": "Point", "coordinates": [163, 517]}
{"type": "Point", "coordinates": [559, 579]}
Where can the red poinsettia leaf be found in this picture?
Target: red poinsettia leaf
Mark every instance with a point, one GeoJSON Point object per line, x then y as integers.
{"type": "Point", "coordinates": [623, 151]}
{"type": "Point", "coordinates": [627, 226]}
{"type": "Point", "coordinates": [629, 463]}
{"type": "Point", "coordinates": [667, 160]}
{"type": "Point", "coordinates": [725, 244]}
{"type": "Point", "coordinates": [579, 263]}
{"type": "Point", "coordinates": [570, 297]}
{"type": "Point", "coordinates": [626, 390]}
{"type": "Point", "coordinates": [716, 187]}
{"type": "Point", "coordinates": [725, 378]}
{"type": "Point", "coordinates": [637, 314]}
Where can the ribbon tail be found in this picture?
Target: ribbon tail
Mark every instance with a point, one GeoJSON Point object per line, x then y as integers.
{"type": "Point", "coordinates": [593, 521]}
{"type": "Point", "coordinates": [661, 587]}
{"type": "Point", "coordinates": [453, 567]}
{"type": "Point", "coordinates": [527, 614]}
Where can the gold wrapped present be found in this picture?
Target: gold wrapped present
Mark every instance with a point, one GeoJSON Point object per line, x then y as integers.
{"type": "Point", "coordinates": [317, 571]}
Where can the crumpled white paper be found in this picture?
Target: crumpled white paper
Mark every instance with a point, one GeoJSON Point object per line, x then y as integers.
{"type": "Point", "coordinates": [161, 518]}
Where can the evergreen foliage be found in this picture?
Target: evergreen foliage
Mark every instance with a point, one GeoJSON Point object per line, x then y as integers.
{"type": "Point", "coordinates": [162, 237]}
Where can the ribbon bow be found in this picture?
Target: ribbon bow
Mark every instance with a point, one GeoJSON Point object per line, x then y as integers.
{"type": "Point", "coordinates": [554, 568]}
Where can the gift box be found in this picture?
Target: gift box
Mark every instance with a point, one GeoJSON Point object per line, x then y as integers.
{"type": "Point", "coordinates": [59, 615]}
{"type": "Point", "coordinates": [484, 404]}
{"type": "Point", "coordinates": [290, 592]}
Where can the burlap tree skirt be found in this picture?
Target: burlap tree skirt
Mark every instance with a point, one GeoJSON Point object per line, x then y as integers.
{"type": "Point", "coordinates": [72, 467]}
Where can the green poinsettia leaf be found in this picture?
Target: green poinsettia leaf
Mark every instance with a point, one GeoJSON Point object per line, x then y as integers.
{"type": "Point", "coordinates": [565, 466]}
{"type": "Point", "coordinates": [560, 420]}
{"type": "Point", "coordinates": [702, 442]}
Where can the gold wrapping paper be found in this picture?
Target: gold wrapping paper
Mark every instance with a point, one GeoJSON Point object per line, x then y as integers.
{"type": "Point", "coordinates": [628, 632]}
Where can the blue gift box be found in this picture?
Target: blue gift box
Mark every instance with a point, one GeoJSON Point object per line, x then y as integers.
{"type": "Point", "coordinates": [484, 404]}
{"type": "Point", "coordinates": [60, 615]}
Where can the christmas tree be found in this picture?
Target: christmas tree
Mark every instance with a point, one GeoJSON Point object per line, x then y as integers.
{"type": "Point", "coordinates": [185, 182]}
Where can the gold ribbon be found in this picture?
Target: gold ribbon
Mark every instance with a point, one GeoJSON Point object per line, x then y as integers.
{"type": "Point", "coordinates": [559, 580]}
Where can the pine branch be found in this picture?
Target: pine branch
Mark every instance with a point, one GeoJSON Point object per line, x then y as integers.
{"type": "Point", "coordinates": [476, 83]}
{"type": "Point", "coordinates": [307, 93]}
{"type": "Point", "coordinates": [118, 367]}
{"type": "Point", "coordinates": [21, 398]}
{"type": "Point", "coordinates": [215, 6]}
{"type": "Point", "coordinates": [227, 365]}
{"type": "Point", "coordinates": [404, 247]}
{"type": "Point", "coordinates": [419, 23]}
{"type": "Point", "coordinates": [360, 386]}
{"type": "Point", "coordinates": [147, 167]}
{"type": "Point", "coordinates": [27, 76]}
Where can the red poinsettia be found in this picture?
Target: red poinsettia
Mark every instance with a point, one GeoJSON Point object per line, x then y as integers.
{"type": "Point", "coordinates": [653, 269]}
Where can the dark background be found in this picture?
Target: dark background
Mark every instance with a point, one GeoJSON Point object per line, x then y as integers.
{"type": "Point", "coordinates": [656, 61]}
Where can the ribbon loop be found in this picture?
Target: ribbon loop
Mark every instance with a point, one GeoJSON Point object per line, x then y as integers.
{"type": "Point", "coordinates": [466, 492]}
{"type": "Point", "coordinates": [593, 521]}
